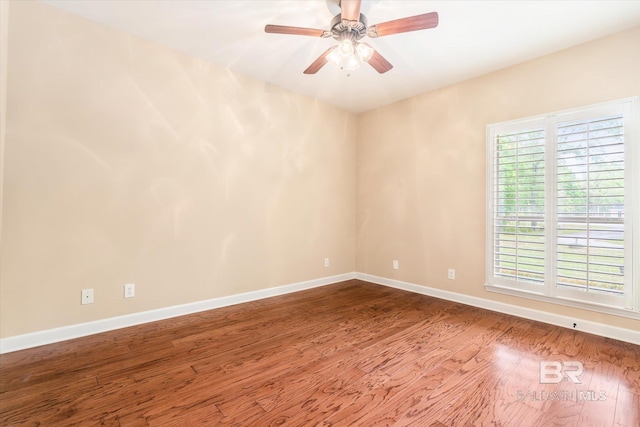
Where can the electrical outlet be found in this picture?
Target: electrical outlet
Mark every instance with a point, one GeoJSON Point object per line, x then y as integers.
{"type": "Point", "coordinates": [130, 290]}
{"type": "Point", "coordinates": [87, 296]}
{"type": "Point", "coordinates": [326, 262]}
{"type": "Point", "coordinates": [452, 274]}
{"type": "Point", "coordinates": [395, 264]}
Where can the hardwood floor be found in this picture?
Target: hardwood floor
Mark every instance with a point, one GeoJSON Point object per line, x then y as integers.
{"type": "Point", "coordinates": [346, 354]}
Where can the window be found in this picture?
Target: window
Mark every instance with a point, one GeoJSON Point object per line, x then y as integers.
{"type": "Point", "coordinates": [563, 195]}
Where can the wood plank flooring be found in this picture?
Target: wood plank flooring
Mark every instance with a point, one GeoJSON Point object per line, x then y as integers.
{"type": "Point", "coordinates": [352, 353]}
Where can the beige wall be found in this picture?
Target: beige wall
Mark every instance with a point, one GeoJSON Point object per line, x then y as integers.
{"type": "Point", "coordinates": [4, 44]}
{"type": "Point", "coordinates": [128, 162]}
{"type": "Point", "coordinates": [421, 164]}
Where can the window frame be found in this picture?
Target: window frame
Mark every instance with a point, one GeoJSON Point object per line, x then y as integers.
{"type": "Point", "coordinates": [627, 305]}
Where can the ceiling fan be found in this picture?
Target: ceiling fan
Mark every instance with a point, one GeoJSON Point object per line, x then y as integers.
{"type": "Point", "coordinates": [349, 27]}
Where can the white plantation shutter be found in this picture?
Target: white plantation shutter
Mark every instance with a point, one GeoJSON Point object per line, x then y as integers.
{"type": "Point", "coordinates": [590, 206]}
{"type": "Point", "coordinates": [519, 205]}
{"type": "Point", "coordinates": [561, 205]}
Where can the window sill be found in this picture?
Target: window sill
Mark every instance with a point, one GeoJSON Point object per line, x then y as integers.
{"type": "Point", "coordinates": [616, 311]}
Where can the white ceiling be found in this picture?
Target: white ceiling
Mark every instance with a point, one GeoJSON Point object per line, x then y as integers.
{"type": "Point", "coordinates": [473, 38]}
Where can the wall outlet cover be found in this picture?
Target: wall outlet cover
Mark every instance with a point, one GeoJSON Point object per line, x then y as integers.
{"type": "Point", "coordinates": [87, 296]}
{"type": "Point", "coordinates": [130, 290]}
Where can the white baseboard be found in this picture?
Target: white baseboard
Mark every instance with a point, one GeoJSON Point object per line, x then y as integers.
{"type": "Point", "coordinates": [49, 336]}
{"type": "Point", "coordinates": [35, 339]}
{"type": "Point", "coordinates": [595, 328]}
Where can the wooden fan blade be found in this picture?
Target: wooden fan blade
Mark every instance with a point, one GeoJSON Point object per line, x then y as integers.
{"type": "Point", "coordinates": [318, 63]}
{"type": "Point", "coordinates": [299, 31]}
{"type": "Point", "coordinates": [380, 64]}
{"type": "Point", "coordinates": [350, 10]}
{"type": "Point", "coordinates": [403, 25]}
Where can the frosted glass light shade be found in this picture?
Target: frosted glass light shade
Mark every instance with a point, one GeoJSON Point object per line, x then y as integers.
{"type": "Point", "coordinates": [349, 55]}
{"type": "Point", "coordinates": [365, 52]}
{"type": "Point", "coordinates": [345, 48]}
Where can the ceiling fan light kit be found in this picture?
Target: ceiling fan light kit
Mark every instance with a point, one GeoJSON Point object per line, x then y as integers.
{"type": "Point", "coordinates": [348, 28]}
{"type": "Point", "coordinates": [349, 55]}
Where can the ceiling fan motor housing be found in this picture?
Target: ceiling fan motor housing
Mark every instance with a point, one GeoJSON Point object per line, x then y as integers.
{"type": "Point", "coordinates": [348, 30]}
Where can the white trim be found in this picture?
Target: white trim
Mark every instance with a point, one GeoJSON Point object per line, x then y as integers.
{"type": "Point", "coordinates": [566, 301]}
{"type": "Point", "coordinates": [628, 304]}
{"type": "Point", "coordinates": [634, 188]}
{"type": "Point", "coordinates": [490, 188]}
{"type": "Point", "coordinates": [35, 339]}
{"type": "Point", "coordinates": [604, 104]}
{"type": "Point", "coordinates": [588, 326]}
{"type": "Point", "coordinates": [551, 210]}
